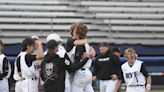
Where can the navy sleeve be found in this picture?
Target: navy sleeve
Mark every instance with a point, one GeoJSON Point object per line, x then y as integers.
{"type": "Point", "coordinates": [67, 57]}
{"type": "Point", "coordinates": [115, 59]}
{"type": "Point", "coordinates": [42, 71]}
{"type": "Point", "coordinates": [69, 44]}
{"type": "Point", "coordinates": [5, 68]}
{"type": "Point", "coordinates": [29, 59]}
{"type": "Point", "coordinates": [96, 68]}
{"type": "Point", "coordinates": [121, 76]}
{"type": "Point", "coordinates": [75, 66]}
{"type": "Point", "coordinates": [117, 65]}
{"type": "Point", "coordinates": [143, 70]}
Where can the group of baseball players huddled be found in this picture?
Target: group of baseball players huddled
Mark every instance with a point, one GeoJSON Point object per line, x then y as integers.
{"type": "Point", "coordinates": [67, 69]}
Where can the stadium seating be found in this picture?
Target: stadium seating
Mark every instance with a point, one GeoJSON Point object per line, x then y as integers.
{"type": "Point", "coordinates": [113, 21]}
{"type": "Point", "coordinates": [131, 22]}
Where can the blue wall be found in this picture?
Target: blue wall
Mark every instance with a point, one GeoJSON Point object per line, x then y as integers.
{"type": "Point", "coordinates": [142, 50]}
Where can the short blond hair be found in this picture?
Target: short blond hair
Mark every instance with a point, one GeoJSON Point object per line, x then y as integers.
{"type": "Point", "coordinates": [130, 50]}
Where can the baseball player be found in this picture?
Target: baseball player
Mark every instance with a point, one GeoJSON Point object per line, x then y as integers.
{"type": "Point", "coordinates": [53, 68]}
{"type": "Point", "coordinates": [134, 73]}
{"type": "Point", "coordinates": [117, 52]}
{"type": "Point", "coordinates": [37, 63]}
{"type": "Point", "coordinates": [5, 70]}
{"type": "Point", "coordinates": [17, 76]}
{"type": "Point", "coordinates": [25, 65]}
{"type": "Point", "coordinates": [107, 69]}
{"type": "Point", "coordinates": [62, 54]}
{"type": "Point", "coordinates": [83, 77]}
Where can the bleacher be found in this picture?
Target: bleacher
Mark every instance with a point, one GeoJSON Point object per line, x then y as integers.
{"type": "Point", "coordinates": [21, 18]}
{"type": "Point", "coordinates": [131, 22]}
{"type": "Point", "coordinates": [113, 21]}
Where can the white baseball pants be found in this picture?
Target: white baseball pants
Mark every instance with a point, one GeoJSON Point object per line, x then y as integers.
{"type": "Point", "coordinates": [29, 85]}
{"type": "Point", "coordinates": [18, 86]}
{"type": "Point", "coordinates": [4, 86]}
{"type": "Point", "coordinates": [136, 89]}
{"type": "Point", "coordinates": [82, 81]}
{"type": "Point", "coordinates": [107, 85]}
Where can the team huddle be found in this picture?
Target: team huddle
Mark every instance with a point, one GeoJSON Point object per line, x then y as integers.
{"type": "Point", "coordinates": [68, 69]}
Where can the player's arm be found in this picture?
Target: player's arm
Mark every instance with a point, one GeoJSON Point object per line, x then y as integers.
{"type": "Point", "coordinates": [41, 72]}
{"type": "Point", "coordinates": [117, 86]}
{"type": "Point", "coordinates": [72, 42]}
{"type": "Point", "coordinates": [69, 44]}
{"type": "Point", "coordinates": [40, 54]}
{"type": "Point", "coordinates": [148, 85]}
{"type": "Point", "coordinates": [80, 42]}
{"type": "Point", "coordinates": [148, 77]}
{"type": "Point", "coordinates": [72, 67]}
{"type": "Point", "coordinates": [5, 68]}
{"type": "Point", "coordinates": [117, 65]}
{"type": "Point", "coordinates": [92, 51]}
{"type": "Point", "coordinates": [96, 69]}
{"type": "Point", "coordinates": [118, 83]}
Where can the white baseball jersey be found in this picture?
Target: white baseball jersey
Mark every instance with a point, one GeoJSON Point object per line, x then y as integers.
{"type": "Point", "coordinates": [2, 56]}
{"type": "Point", "coordinates": [71, 54]}
{"type": "Point", "coordinates": [132, 75]}
{"type": "Point", "coordinates": [61, 51]}
{"type": "Point", "coordinates": [82, 78]}
{"type": "Point", "coordinates": [27, 72]}
{"type": "Point", "coordinates": [29, 84]}
{"type": "Point", "coordinates": [4, 87]}
{"type": "Point", "coordinates": [16, 75]}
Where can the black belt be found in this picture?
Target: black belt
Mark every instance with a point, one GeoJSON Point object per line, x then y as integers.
{"type": "Point", "coordinates": [135, 85]}
{"type": "Point", "coordinates": [34, 78]}
{"type": "Point", "coordinates": [20, 79]}
{"type": "Point", "coordinates": [82, 69]}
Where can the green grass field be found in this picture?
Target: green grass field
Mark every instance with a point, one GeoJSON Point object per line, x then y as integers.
{"type": "Point", "coordinates": [153, 91]}
{"type": "Point", "coordinates": [157, 91]}
{"type": "Point", "coordinates": [150, 91]}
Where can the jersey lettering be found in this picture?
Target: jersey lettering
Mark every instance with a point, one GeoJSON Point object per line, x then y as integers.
{"type": "Point", "coordinates": [131, 75]}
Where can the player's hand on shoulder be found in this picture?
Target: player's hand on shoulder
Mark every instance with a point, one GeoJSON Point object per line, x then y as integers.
{"type": "Point", "coordinates": [94, 78]}
{"type": "Point", "coordinates": [92, 52]}
{"type": "Point", "coordinates": [80, 42]}
{"type": "Point", "coordinates": [114, 77]}
{"type": "Point", "coordinates": [85, 55]}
